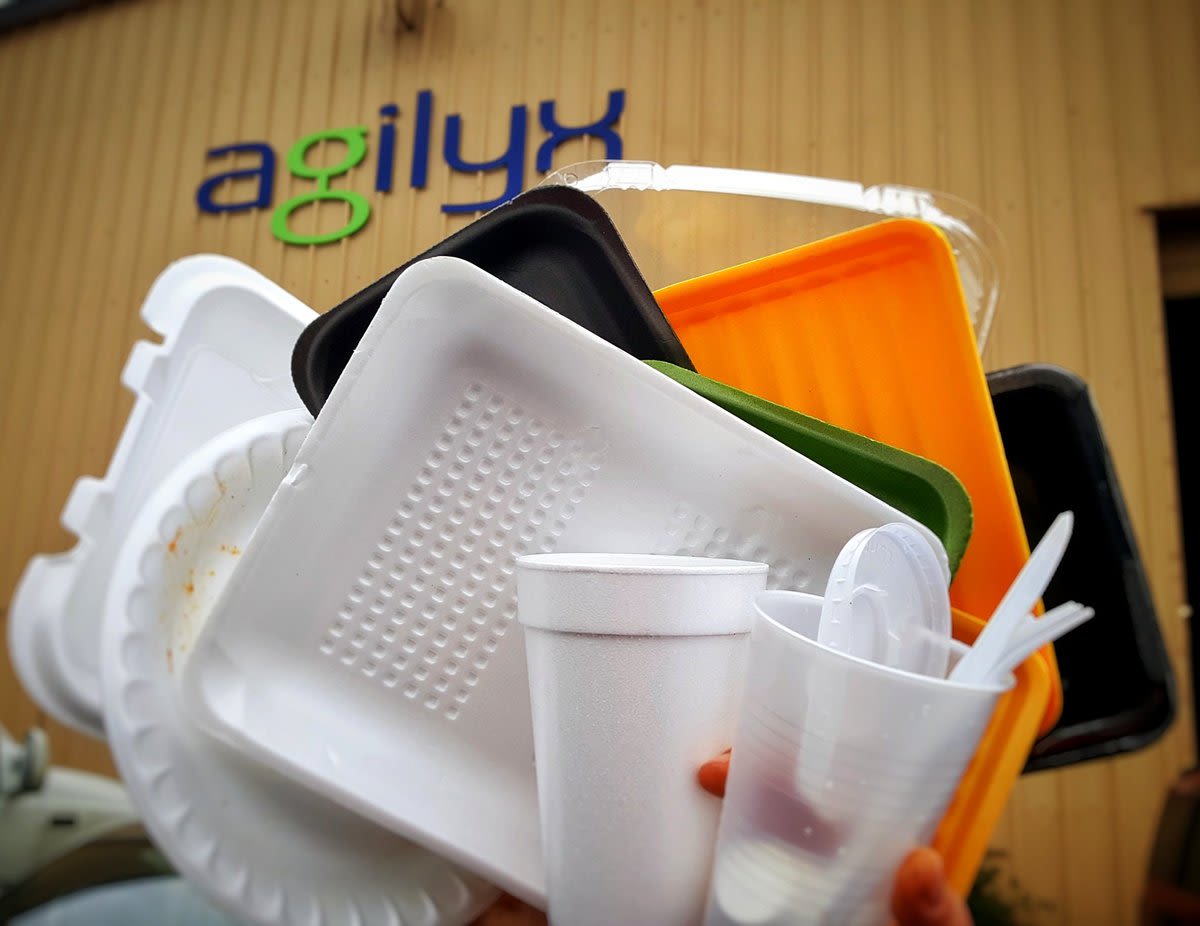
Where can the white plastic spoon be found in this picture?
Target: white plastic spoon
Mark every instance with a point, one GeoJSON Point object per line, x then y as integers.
{"type": "Point", "coordinates": [1017, 602]}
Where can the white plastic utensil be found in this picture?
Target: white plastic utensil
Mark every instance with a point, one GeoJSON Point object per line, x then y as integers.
{"type": "Point", "coordinates": [895, 747]}
{"type": "Point", "coordinates": [1017, 602]}
{"type": "Point", "coordinates": [1035, 632]}
{"type": "Point", "coordinates": [886, 601]}
{"type": "Point", "coordinates": [366, 643]}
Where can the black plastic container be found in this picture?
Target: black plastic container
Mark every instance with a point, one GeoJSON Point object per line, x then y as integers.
{"type": "Point", "coordinates": [555, 244]}
{"type": "Point", "coordinates": [1118, 690]}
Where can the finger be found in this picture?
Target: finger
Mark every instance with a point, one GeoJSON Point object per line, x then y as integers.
{"type": "Point", "coordinates": [508, 911]}
{"type": "Point", "coordinates": [714, 773]}
{"type": "Point", "coordinates": [922, 895]}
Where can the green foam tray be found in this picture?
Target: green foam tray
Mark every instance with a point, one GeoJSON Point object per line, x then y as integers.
{"type": "Point", "coordinates": [919, 487]}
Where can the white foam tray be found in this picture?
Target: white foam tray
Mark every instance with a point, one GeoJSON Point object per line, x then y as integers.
{"type": "Point", "coordinates": [366, 643]}
{"type": "Point", "coordinates": [261, 846]}
{"type": "Point", "coordinates": [225, 357]}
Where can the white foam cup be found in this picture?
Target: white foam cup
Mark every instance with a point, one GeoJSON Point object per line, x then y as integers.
{"type": "Point", "coordinates": [635, 670]}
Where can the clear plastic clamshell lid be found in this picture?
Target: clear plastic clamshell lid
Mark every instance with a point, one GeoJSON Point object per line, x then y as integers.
{"type": "Point", "coordinates": [685, 231]}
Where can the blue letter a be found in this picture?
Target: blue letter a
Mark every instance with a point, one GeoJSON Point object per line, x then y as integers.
{"type": "Point", "coordinates": [265, 173]}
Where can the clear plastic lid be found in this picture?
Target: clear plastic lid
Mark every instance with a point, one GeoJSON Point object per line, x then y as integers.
{"type": "Point", "coordinates": [695, 226]}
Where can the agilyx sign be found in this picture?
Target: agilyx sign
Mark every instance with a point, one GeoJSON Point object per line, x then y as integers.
{"type": "Point", "coordinates": [382, 149]}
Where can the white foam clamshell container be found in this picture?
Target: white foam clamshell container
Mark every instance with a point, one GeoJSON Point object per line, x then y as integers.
{"type": "Point", "coordinates": [261, 846]}
{"type": "Point", "coordinates": [366, 643]}
{"type": "Point", "coordinates": [225, 358]}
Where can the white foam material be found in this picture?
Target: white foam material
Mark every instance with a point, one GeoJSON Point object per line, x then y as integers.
{"type": "Point", "coordinates": [635, 668]}
{"type": "Point", "coordinates": [264, 848]}
{"type": "Point", "coordinates": [366, 643]}
{"type": "Point", "coordinates": [225, 358]}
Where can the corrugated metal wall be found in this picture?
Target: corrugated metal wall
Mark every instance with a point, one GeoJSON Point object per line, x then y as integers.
{"type": "Point", "coordinates": [1066, 121]}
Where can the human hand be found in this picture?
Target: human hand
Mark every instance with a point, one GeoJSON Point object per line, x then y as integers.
{"type": "Point", "coordinates": [921, 895]}
{"type": "Point", "coordinates": [508, 911]}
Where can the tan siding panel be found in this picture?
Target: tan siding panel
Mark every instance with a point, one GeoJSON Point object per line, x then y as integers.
{"type": "Point", "coordinates": [1066, 121]}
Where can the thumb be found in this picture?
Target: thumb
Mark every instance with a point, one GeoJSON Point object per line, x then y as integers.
{"type": "Point", "coordinates": [922, 895]}
{"type": "Point", "coordinates": [714, 773]}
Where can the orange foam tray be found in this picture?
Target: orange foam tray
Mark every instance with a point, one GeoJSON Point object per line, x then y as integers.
{"type": "Point", "coordinates": [869, 331]}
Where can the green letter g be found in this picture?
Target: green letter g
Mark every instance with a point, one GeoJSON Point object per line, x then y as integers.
{"type": "Point", "coordinates": [355, 140]}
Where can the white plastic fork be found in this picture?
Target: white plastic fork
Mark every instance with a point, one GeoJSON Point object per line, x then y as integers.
{"type": "Point", "coordinates": [1032, 634]}
{"type": "Point", "coordinates": [1017, 602]}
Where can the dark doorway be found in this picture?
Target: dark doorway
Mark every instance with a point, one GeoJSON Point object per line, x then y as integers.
{"type": "Point", "coordinates": [1179, 250]}
{"type": "Point", "coordinates": [1183, 332]}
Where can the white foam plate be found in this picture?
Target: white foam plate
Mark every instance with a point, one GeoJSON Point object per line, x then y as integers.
{"type": "Point", "coordinates": [366, 643]}
{"type": "Point", "coordinates": [262, 847]}
{"type": "Point", "coordinates": [225, 357]}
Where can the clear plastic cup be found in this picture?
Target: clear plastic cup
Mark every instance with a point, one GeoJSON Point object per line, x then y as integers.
{"type": "Point", "coordinates": [636, 665]}
{"type": "Point", "coordinates": [840, 767]}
